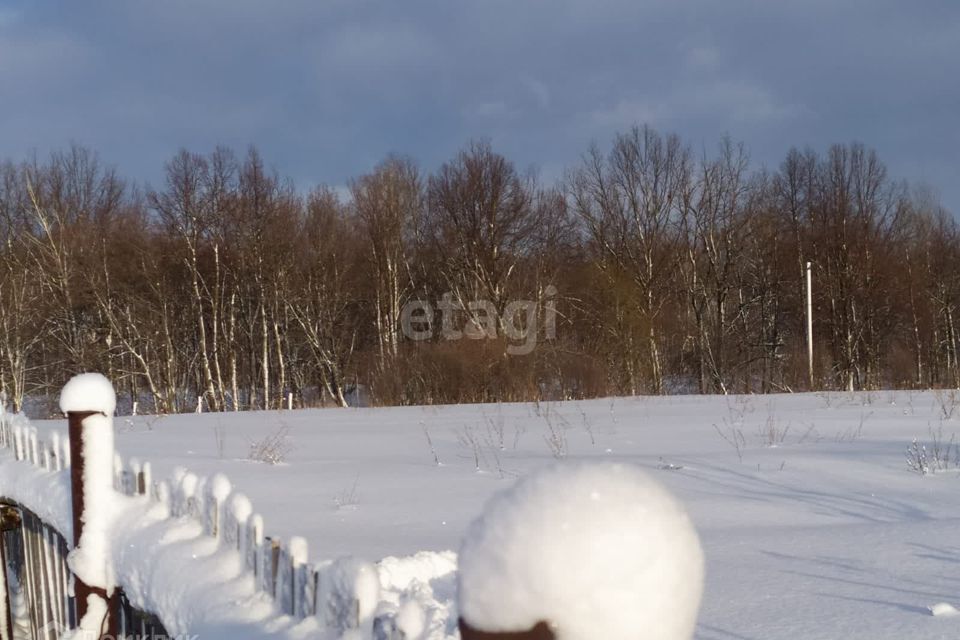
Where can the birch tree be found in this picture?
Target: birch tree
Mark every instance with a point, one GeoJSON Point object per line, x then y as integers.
{"type": "Point", "coordinates": [632, 203]}
{"type": "Point", "coordinates": [388, 204]}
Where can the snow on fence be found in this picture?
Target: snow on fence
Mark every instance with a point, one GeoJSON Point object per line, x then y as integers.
{"type": "Point", "coordinates": [335, 596]}
{"type": "Point", "coordinates": [578, 551]}
{"type": "Point", "coordinates": [338, 593]}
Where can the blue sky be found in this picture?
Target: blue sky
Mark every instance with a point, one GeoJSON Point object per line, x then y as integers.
{"type": "Point", "coordinates": [327, 88]}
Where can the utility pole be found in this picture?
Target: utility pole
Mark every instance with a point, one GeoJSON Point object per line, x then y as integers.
{"type": "Point", "coordinates": [810, 324]}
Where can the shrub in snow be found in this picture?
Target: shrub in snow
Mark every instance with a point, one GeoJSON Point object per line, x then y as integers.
{"type": "Point", "coordinates": [272, 449]}
{"type": "Point", "coordinates": [917, 458]}
{"type": "Point", "coordinates": [939, 457]}
{"type": "Point", "coordinates": [594, 550]}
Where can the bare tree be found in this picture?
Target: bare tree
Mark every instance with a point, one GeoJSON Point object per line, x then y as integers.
{"type": "Point", "coordinates": [856, 223]}
{"type": "Point", "coordinates": [719, 225]}
{"type": "Point", "coordinates": [388, 205]}
{"type": "Point", "coordinates": [481, 221]}
{"type": "Point", "coordinates": [323, 303]}
{"type": "Point", "coordinates": [185, 208]}
{"type": "Point", "coordinates": [632, 203]}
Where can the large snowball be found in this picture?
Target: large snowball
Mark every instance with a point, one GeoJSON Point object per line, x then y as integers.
{"type": "Point", "coordinates": [88, 392]}
{"type": "Point", "coordinates": [596, 550]}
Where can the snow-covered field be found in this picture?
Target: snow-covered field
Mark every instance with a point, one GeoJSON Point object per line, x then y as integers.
{"type": "Point", "coordinates": [812, 524]}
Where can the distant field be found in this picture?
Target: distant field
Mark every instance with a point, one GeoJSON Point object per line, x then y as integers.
{"type": "Point", "coordinates": [813, 525]}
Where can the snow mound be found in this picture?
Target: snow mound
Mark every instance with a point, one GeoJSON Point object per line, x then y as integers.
{"type": "Point", "coordinates": [399, 573]}
{"type": "Point", "coordinates": [943, 610]}
{"type": "Point", "coordinates": [595, 550]}
{"type": "Point", "coordinates": [417, 596]}
{"type": "Point", "coordinates": [88, 392]}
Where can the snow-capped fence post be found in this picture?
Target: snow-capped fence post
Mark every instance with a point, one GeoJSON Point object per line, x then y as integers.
{"type": "Point", "coordinates": [33, 455]}
{"type": "Point", "coordinates": [270, 564]}
{"type": "Point", "coordinates": [297, 557]}
{"type": "Point", "coordinates": [55, 451]}
{"type": "Point", "coordinates": [581, 552]}
{"type": "Point", "coordinates": [347, 592]}
{"type": "Point", "coordinates": [144, 479]}
{"type": "Point", "coordinates": [217, 490]}
{"type": "Point", "coordinates": [18, 447]}
{"type": "Point", "coordinates": [236, 513]}
{"type": "Point", "coordinates": [89, 401]}
{"type": "Point", "coordinates": [253, 539]}
{"type": "Point", "coordinates": [285, 593]}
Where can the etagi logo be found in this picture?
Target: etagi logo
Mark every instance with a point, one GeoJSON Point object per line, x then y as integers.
{"type": "Point", "coordinates": [522, 322]}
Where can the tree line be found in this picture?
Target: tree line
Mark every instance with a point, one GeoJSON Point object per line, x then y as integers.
{"type": "Point", "coordinates": [649, 268]}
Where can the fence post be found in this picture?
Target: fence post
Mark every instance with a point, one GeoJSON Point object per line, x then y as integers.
{"type": "Point", "coordinates": [89, 402]}
{"type": "Point", "coordinates": [509, 586]}
{"type": "Point", "coordinates": [9, 519]}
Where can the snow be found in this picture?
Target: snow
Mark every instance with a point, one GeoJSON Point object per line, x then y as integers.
{"type": "Point", "coordinates": [298, 549]}
{"type": "Point", "coordinates": [167, 566]}
{"type": "Point", "coordinates": [49, 493]}
{"type": "Point", "coordinates": [88, 392]}
{"type": "Point", "coordinates": [90, 560]}
{"type": "Point", "coordinates": [411, 619]}
{"type": "Point", "coordinates": [194, 584]}
{"type": "Point", "coordinates": [347, 575]}
{"type": "Point", "coordinates": [825, 535]}
{"type": "Point", "coordinates": [597, 550]}
{"type": "Point", "coordinates": [92, 623]}
{"type": "Point", "coordinates": [241, 507]}
{"type": "Point", "coordinates": [220, 487]}
{"type": "Point", "coordinates": [418, 592]}
{"type": "Point", "coordinates": [945, 610]}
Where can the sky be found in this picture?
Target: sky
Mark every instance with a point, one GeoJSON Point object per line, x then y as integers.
{"type": "Point", "coordinates": [327, 88]}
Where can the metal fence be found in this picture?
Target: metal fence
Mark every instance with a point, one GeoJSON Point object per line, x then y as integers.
{"type": "Point", "coordinates": [37, 597]}
{"type": "Point", "coordinates": [38, 585]}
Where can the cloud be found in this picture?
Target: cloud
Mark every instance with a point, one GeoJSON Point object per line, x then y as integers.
{"type": "Point", "coordinates": [41, 59]}
{"type": "Point", "coordinates": [540, 92]}
{"type": "Point", "coordinates": [726, 102]}
{"type": "Point", "coordinates": [626, 113]}
{"type": "Point", "coordinates": [327, 89]}
{"type": "Point", "coordinates": [702, 57]}
{"type": "Point", "coordinates": [375, 48]}
{"type": "Point", "coordinates": [8, 17]}
{"type": "Point", "coordinates": [495, 109]}
{"type": "Point", "coordinates": [741, 102]}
